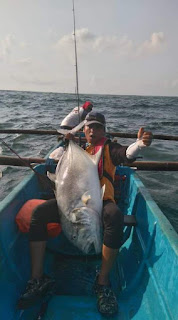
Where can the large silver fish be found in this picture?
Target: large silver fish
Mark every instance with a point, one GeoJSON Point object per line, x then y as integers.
{"type": "Point", "coordinates": [80, 198]}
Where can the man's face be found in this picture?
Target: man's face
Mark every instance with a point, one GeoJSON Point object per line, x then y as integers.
{"type": "Point", "coordinates": [94, 132]}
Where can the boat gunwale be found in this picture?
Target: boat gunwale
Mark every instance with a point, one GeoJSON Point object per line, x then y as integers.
{"type": "Point", "coordinates": [159, 216]}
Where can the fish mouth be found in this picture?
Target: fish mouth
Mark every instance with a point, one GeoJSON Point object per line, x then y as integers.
{"type": "Point", "coordinates": [92, 236]}
{"type": "Point", "coordinates": [88, 237]}
{"type": "Point", "coordinates": [92, 246]}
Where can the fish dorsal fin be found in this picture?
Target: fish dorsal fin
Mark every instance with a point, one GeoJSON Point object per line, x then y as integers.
{"type": "Point", "coordinates": [103, 191]}
{"type": "Point", "coordinates": [86, 197]}
{"type": "Point", "coordinates": [96, 157]}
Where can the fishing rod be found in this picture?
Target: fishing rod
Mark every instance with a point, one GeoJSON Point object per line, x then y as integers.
{"type": "Point", "coordinates": [21, 160]}
{"type": "Point", "coordinates": [44, 180]}
{"type": "Point", "coordinates": [76, 67]}
{"type": "Point", "coordinates": [76, 60]}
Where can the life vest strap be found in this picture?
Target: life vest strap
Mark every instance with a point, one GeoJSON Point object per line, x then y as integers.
{"type": "Point", "coordinates": [107, 175]}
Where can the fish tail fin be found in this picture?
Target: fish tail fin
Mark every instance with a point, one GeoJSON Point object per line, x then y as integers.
{"type": "Point", "coordinates": [96, 157]}
{"type": "Point", "coordinates": [103, 191]}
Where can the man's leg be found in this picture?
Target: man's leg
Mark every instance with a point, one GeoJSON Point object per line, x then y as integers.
{"type": "Point", "coordinates": [38, 235]}
{"type": "Point", "coordinates": [113, 233]}
{"type": "Point", "coordinates": [108, 257]}
{"type": "Point", "coordinates": [37, 251]}
{"type": "Point", "coordinates": [39, 284]}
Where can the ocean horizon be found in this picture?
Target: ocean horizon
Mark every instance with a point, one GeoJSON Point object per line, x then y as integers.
{"type": "Point", "coordinates": [93, 94]}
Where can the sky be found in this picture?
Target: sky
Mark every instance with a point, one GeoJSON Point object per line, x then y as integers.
{"type": "Point", "coordinates": [124, 47]}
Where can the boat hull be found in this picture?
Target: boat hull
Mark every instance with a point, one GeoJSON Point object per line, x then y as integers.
{"type": "Point", "coordinates": [144, 276]}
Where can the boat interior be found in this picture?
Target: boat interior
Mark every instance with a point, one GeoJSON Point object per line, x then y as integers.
{"type": "Point", "coordinates": [139, 276]}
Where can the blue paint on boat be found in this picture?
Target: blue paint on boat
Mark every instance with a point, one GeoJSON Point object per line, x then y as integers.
{"type": "Point", "coordinates": [144, 276]}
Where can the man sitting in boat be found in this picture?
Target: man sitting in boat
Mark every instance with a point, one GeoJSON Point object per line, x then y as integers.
{"type": "Point", "coordinates": [76, 115]}
{"type": "Point", "coordinates": [114, 154]}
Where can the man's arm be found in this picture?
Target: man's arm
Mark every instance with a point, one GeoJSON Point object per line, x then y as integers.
{"type": "Point", "coordinates": [56, 155]}
{"type": "Point", "coordinates": [122, 154]}
{"type": "Point", "coordinates": [144, 139]}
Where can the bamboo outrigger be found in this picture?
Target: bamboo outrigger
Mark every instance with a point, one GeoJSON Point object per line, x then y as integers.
{"type": "Point", "coordinates": [112, 134]}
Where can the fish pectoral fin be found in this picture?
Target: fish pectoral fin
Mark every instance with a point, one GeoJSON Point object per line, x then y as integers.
{"type": "Point", "coordinates": [86, 197]}
{"type": "Point", "coordinates": [103, 191]}
{"type": "Point", "coordinates": [73, 218]}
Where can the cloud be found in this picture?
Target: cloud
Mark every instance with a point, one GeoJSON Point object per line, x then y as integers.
{"type": "Point", "coordinates": [105, 43]}
{"type": "Point", "coordinates": [25, 61]}
{"type": "Point", "coordinates": [126, 46]}
{"type": "Point", "coordinates": [6, 45]}
{"type": "Point", "coordinates": [24, 44]}
{"type": "Point", "coordinates": [52, 34]}
{"type": "Point", "coordinates": [170, 83]}
{"type": "Point", "coordinates": [120, 47]}
{"type": "Point", "coordinates": [153, 45]}
{"type": "Point", "coordinates": [174, 83]}
{"type": "Point", "coordinates": [85, 39]}
{"type": "Point", "coordinates": [65, 41]}
{"type": "Point", "coordinates": [10, 48]}
{"type": "Point", "coordinates": [32, 79]}
{"type": "Point", "coordinates": [82, 35]}
{"type": "Point", "coordinates": [157, 39]}
{"type": "Point", "coordinates": [91, 44]}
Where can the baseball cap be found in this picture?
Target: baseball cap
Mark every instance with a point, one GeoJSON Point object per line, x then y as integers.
{"type": "Point", "coordinates": [95, 117]}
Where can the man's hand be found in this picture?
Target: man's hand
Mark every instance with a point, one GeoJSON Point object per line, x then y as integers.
{"type": "Point", "coordinates": [145, 136]}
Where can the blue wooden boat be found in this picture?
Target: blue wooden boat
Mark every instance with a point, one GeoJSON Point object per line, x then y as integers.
{"type": "Point", "coordinates": [144, 276]}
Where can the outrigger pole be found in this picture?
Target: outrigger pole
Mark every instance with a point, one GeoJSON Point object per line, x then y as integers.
{"type": "Point", "coordinates": [139, 165]}
{"type": "Point", "coordinates": [112, 134]}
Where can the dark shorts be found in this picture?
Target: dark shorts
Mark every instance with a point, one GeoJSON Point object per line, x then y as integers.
{"type": "Point", "coordinates": [48, 212]}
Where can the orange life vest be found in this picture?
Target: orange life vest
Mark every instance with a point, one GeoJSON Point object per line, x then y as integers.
{"type": "Point", "coordinates": [106, 169]}
{"type": "Point", "coordinates": [23, 218]}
